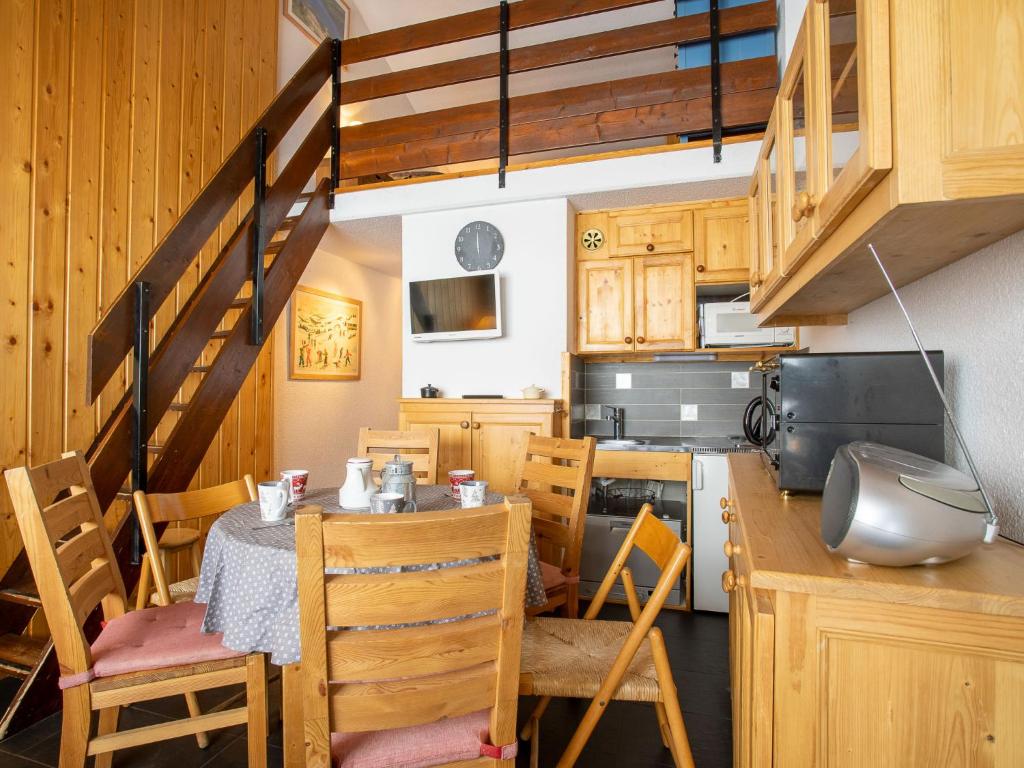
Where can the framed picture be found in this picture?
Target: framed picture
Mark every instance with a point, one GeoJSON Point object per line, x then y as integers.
{"type": "Point", "coordinates": [318, 19]}
{"type": "Point", "coordinates": [326, 336]}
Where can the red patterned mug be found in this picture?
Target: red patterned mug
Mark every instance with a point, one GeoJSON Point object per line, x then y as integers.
{"type": "Point", "coordinates": [457, 477]}
{"type": "Point", "coordinates": [296, 479]}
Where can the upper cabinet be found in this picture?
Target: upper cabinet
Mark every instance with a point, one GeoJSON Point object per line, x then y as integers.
{"type": "Point", "coordinates": [899, 123]}
{"type": "Point", "coordinates": [722, 243]}
{"type": "Point", "coordinates": [642, 231]}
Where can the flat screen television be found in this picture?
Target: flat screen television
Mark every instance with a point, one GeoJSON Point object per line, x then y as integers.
{"type": "Point", "coordinates": [456, 308]}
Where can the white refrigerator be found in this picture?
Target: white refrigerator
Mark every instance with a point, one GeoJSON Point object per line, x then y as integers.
{"type": "Point", "coordinates": [709, 483]}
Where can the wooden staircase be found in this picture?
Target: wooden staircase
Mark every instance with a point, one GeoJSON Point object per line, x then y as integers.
{"type": "Point", "coordinates": [211, 336]}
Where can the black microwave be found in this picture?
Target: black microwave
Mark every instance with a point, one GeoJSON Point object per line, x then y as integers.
{"type": "Point", "coordinates": [813, 403]}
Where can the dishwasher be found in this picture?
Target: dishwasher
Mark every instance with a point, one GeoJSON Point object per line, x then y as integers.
{"type": "Point", "coordinates": [602, 539]}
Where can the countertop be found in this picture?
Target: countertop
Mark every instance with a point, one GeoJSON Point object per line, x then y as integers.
{"type": "Point", "coordinates": [782, 541]}
{"type": "Point", "coordinates": [696, 443]}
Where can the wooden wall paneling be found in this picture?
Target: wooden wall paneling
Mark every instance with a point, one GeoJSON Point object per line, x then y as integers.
{"type": "Point", "coordinates": [49, 167]}
{"type": "Point", "coordinates": [17, 55]}
{"type": "Point", "coordinates": [116, 165]}
{"type": "Point", "coordinates": [84, 216]}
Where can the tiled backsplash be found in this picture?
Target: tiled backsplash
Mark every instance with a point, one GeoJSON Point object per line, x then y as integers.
{"type": "Point", "coordinates": [668, 399]}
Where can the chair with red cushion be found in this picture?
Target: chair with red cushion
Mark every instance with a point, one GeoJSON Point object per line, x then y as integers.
{"type": "Point", "coordinates": [138, 656]}
{"type": "Point", "coordinates": [416, 668]}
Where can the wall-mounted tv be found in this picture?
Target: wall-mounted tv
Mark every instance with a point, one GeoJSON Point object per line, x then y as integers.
{"type": "Point", "coordinates": [456, 308]}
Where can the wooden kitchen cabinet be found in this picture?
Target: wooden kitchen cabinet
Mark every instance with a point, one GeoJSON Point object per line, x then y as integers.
{"type": "Point", "coordinates": [604, 302]}
{"type": "Point", "coordinates": [640, 231]}
{"type": "Point", "coordinates": [847, 665]}
{"type": "Point", "coordinates": [664, 302]}
{"type": "Point", "coordinates": [765, 224]}
{"type": "Point", "coordinates": [487, 436]}
{"type": "Point", "coordinates": [898, 124]}
{"type": "Point", "coordinates": [722, 243]}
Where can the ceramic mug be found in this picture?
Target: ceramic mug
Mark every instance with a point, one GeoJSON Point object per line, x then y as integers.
{"type": "Point", "coordinates": [473, 493]}
{"type": "Point", "coordinates": [296, 480]}
{"type": "Point", "coordinates": [273, 496]}
{"type": "Point", "coordinates": [457, 477]}
{"type": "Point", "coordinates": [385, 503]}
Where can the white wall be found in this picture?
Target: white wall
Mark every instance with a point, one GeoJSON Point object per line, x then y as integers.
{"type": "Point", "coordinates": [974, 311]}
{"type": "Point", "coordinates": [317, 423]}
{"type": "Point", "coordinates": [536, 282]}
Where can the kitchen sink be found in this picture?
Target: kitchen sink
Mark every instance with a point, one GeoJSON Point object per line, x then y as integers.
{"type": "Point", "coordinates": [620, 443]}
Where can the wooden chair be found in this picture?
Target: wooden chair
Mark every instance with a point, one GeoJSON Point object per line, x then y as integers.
{"type": "Point", "coordinates": [418, 446]}
{"type": "Point", "coordinates": [559, 519]}
{"type": "Point", "coordinates": [611, 660]}
{"type": "Point", "coordinates": [139, 655]}
{"type": "Point", "coordinates": [156, 508]}
{"type": "Point", "coordinates": [423, 693]}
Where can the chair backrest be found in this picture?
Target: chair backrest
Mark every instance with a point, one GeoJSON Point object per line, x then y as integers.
{"type": "Point", "coordinates": [446, 669]}
{"type": "Point", "coordinates": [554, 472]}
{"type": "Point", "coordinates": [69, 550]}
{"type": "Point", "coordinates": [418, 446]}
{"type": "Point", "coordinates": [660, 544]}
{"type": "Point", "coordinates": [155, 508]}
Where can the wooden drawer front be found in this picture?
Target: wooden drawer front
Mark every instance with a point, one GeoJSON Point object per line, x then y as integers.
{"type": "Point", "coordinates": [636, 233]}
{"type": "Point", "coordinates": [642, 465]}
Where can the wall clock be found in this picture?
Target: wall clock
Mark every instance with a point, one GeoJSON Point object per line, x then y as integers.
{"type": "Point", "coordinates": [479, 245]}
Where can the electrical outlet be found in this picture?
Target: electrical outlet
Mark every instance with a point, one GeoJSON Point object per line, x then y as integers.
{"type": "Point", "coordinates": [688, 412]}
{"type": "Point", "coordinates": [623, 380]}
{"type": "Point", "coordinates": [741, 380]}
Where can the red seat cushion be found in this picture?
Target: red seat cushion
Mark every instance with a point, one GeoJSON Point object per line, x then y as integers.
{"type": "Point", "coordinates": [418, 746]}
{"type": "Point", "coordinates": [551, 575]}
{"type": "Point", "coordinates": [156, 637]}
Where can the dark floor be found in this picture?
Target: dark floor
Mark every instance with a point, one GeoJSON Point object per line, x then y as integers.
{"type": "Point", "coordinates": [626, 737]}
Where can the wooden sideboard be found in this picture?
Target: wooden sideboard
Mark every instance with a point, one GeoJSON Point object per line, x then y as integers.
{"type": "Point", "coordinates": [842, 664]}
{"type": "Point", "coordinates": [487, 436]}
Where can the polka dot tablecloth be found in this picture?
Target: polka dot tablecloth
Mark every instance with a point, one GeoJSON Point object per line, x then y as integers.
{"type": "Point", "coordinates": [248, 577]}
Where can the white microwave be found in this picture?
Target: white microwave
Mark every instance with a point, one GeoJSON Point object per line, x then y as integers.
{"type": "Point", "coordinates": [730, 324]}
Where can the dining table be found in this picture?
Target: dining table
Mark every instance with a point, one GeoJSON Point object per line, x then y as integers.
{"type": "Point", "coordinates": [249, 585]}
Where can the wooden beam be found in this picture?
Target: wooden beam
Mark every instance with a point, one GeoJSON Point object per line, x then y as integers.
{"type": "Point", "coordinates": [111, 339]}
{"type": "Point", "coordinates": [473, 24]}
{"type": "Point", "coordinates": [642, 37]}
{"type": "Point", "coordinates": [677, 85]}
{"type": "Point", "coordinates": [192, 434]}
{"type": "Point", "coordinates": [634, 121]}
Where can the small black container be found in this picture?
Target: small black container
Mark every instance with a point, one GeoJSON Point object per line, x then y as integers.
{"type": "Point", "coordinates": [429, 391]}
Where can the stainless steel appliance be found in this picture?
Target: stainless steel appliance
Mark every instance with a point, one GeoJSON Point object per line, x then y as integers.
{"type": "Point", "coordinates": [603, 538]}
{"type": "Point", "coordinates": [730, 324]}
{"type": "Point", "coordinates": [891, 507]}
{"type": "Point", "coordinates": [814, 403]}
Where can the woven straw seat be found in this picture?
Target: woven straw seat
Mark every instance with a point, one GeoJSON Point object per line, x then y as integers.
{"type": "Point", "coordinates": [181, 591]}
{"type": "Point", "coordinates": [571, 658]}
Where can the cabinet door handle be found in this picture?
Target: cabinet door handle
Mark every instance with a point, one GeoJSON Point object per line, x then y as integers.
{"type": "Point", "coordinates": [650, 247]}
{"type": "Point", "coordinates": [476, 425]}
{"type": "Point", "coordinates": [700, 267]}
{"type": "Point", "coordinates": [803, 206]}
{"type": "Point", "coordinates": [628, 339]}
{"type": "Point", "coordinates": [464, 424]}
{"type": "Point", "coordinates": [640, 339]}
{"type": "Point", "coordinates": [730, 549]}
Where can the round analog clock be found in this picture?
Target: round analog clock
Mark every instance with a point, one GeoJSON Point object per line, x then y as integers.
{"type": "Point", "coordinates": [479, 245]}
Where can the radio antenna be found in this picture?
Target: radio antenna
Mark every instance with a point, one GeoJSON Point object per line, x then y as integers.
{"type": "Point", "coordinates": [992, 526]}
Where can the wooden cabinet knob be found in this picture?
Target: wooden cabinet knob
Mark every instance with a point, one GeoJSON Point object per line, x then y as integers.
{"type": "Point", "coordinates": [640, 339]}
{"type": "Point", "coordinates": [730, 549]}
{"type": "Point", "coordinates": [728, 581]}
{"type": "Point", "coordinates": [700, 267]}
{"type": "Point", "coordinates": [724, 503]}
{"type": "Point", "coordinates": [476, 425]}
{"type": "Point", "coordinates": [628, 339]}
{"type": "Point", "coordinates": [650, 247]}
{"type": "Point", "coordinates": [464, 424]}
{"type": "Point", "coordinates": [728, 517]}
{"type": "Point", "coordinates": [755, 280]}
{"type": "Point", "coordinates": [803, 206]}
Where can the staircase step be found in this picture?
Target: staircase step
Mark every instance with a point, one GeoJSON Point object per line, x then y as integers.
{"type": "Point", "coordinates": [274, 247]}
{"type": "Point", "coordinates": [152, 448]}
{"type": "Point", "coordinates": [200, 369]}
{"type": "Point", "coordinates": [178, 407]}
{"type": "Point", "coordinates": [24, 593]}
{"type": "Point", "coordinates": [220, 334]}
{"type": "Point", "coordinates": [125, 494]}
{"type": "Point", "coordinates": [240, 303]}
{"type": "Point", "coordinates": [288, 224]}
{"type": "Point", "coordinates": [19, 654]}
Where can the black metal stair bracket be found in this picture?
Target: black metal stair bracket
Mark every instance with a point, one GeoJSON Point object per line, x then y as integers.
{"type": "Point", "coordinates": [503, 95]}
{"type": "Point", "coordinates": [140, 405]}
{"type": "Point", "coordinates": [336, 118]}
{"type": "Point", "coordinates": [259, 199]}
{"type": "Point", "coordinates": [716, 84]}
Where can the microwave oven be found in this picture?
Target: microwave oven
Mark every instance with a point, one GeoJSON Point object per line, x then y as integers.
{"type": "Point", "coordinates": [730, 324]}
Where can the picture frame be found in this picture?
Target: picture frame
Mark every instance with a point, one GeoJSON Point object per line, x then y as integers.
{"type": "Point", "coordinates": [325, 336]}
{"type": "Point", "coordinates": [319, 19]}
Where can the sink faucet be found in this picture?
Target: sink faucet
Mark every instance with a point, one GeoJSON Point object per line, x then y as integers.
{"type": "Point", "coordinates": [617, 418]}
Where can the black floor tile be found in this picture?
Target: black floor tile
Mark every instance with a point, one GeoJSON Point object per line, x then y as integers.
{"type": "Point", "coordinates": [8, 760]}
